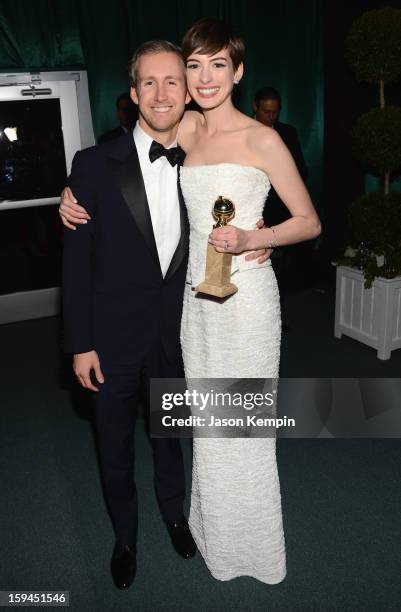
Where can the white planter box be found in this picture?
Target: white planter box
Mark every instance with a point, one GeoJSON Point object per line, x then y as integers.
{"type": "Point", "coordinates": [372, 316]}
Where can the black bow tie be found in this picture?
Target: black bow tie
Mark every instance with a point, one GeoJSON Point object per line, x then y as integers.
{"type": "Point", "coordinates": [175, 155]}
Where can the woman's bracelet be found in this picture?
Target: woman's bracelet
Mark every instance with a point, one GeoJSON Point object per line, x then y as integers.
{"type": "Point", "coordinates": [271, 244]}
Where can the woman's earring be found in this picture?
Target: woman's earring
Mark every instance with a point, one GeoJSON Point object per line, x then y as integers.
{"type": "Point", "coordinates": [236, 81]}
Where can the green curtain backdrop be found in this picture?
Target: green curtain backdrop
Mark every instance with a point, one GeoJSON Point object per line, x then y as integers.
{"type": "Point", "coordinates": [283, 42]}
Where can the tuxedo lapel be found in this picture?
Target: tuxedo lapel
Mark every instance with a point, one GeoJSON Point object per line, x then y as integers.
{"type": "Point", "coordinates": [128, 175]}
{"type": "Point", "coordinates": [182, 247]}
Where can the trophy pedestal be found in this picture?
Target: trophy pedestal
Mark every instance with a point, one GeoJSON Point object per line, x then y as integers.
{"type": "Point", "coordinates": [218, 273]}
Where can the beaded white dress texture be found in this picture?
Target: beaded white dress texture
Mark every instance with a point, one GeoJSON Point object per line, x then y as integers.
{"type": "Point", "coordinates": [235, 515]}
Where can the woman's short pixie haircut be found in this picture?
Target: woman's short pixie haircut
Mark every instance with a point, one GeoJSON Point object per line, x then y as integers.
{"type": "Point", "coordinates": [208, 36]}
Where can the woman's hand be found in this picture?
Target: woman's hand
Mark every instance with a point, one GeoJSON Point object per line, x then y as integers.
{"type": "Point", "coordinates": [231, 239]}
{"type": "Point", "coordinates": [70, 211]}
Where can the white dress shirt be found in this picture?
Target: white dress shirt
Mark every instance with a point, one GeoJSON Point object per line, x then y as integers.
{"type": "Point", "coordinates": [160, 179]}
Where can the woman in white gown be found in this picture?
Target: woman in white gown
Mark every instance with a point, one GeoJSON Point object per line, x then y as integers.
{"type": "Point", "coordinates": [235, 515]}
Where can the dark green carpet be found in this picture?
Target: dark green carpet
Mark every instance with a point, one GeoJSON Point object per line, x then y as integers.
{"type": "Point", "coordinates": [341, 498]}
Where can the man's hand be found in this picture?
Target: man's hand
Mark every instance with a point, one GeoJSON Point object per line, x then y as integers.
{"type": "Point", "coordinates": [83, 364]}
{"type": "Point", "coordinates": [70, 211]}
{"type": "Point", "coordinates": [261, 255]}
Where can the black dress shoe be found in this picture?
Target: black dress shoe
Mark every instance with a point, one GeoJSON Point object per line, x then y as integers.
{"type": "Point", "coordinates": [123, 566]}
{"type": "Point", "coordinates": [181, 538]}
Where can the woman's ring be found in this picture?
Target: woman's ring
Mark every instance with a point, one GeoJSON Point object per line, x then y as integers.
{"type": "Point", "coordinates": [226, 246]}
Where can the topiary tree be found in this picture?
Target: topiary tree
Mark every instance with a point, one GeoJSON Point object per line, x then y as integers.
{"type": "Point", "coordinates": [376, 141]}
{"type": "Point", "coordinates": [373, 47]}
{"type": "Point", "coordinates": [373, 50]}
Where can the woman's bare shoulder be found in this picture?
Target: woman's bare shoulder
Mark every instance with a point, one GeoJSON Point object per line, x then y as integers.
{"type": "Point", "coordinates": [188, 128]}
{"type": "Point", "coordinates": [189, 123]}
{"type": "Point", "coordinates": [263, 137]}
{"type": "Point", "coordinates": [264, 145]}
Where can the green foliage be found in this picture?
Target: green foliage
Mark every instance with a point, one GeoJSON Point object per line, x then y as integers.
{"type": "Point", "coordinates": [376, 139]}
{"type": "Point", "coordinates": [375, 224]}
{"type": "Point", "coordinates": [373, 50]}
{"type": "Point", "coordinates": [373, 46]}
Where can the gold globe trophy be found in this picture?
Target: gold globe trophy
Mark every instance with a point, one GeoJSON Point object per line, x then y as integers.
{"type": "Point", "coordinates": [218, 265]}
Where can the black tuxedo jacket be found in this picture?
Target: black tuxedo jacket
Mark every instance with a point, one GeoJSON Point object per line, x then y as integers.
{"type": "Point", "coordinates": [111, 135]}
{"type": "Point", "coordinates": [115, 299]}
{"type": "Point", "coordinates": [275, 210]}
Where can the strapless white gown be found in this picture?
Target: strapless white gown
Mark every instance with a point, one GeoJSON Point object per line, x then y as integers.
{"type": "Point", "coordinates": [235, 515]}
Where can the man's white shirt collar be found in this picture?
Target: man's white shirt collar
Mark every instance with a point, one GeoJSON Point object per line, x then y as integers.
{"type": "Point", "coordinates": [160, 180]}
{"type": "Point", "coordinates": [143, 140]}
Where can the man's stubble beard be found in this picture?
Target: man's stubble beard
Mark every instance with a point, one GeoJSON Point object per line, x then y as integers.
{"type": "Point", "coordinates": [157, 128]}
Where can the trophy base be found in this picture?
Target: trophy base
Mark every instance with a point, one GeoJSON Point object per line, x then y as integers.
{"type": "Point", "coordinates": [220, 291]}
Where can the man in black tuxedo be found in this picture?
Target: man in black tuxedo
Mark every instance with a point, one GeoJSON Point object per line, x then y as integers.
{"type": "Point", "coordinates": [124, 276]}
{"type": "Point", "coordinates": [267, 106]}
{"type": "Point", "coordinates": [127, 115]}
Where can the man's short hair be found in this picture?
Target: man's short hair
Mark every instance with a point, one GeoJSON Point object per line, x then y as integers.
{"type": "Point", "coordinates": [267, 93]}
{"type": "Point", "coordinates": [151, 47]}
